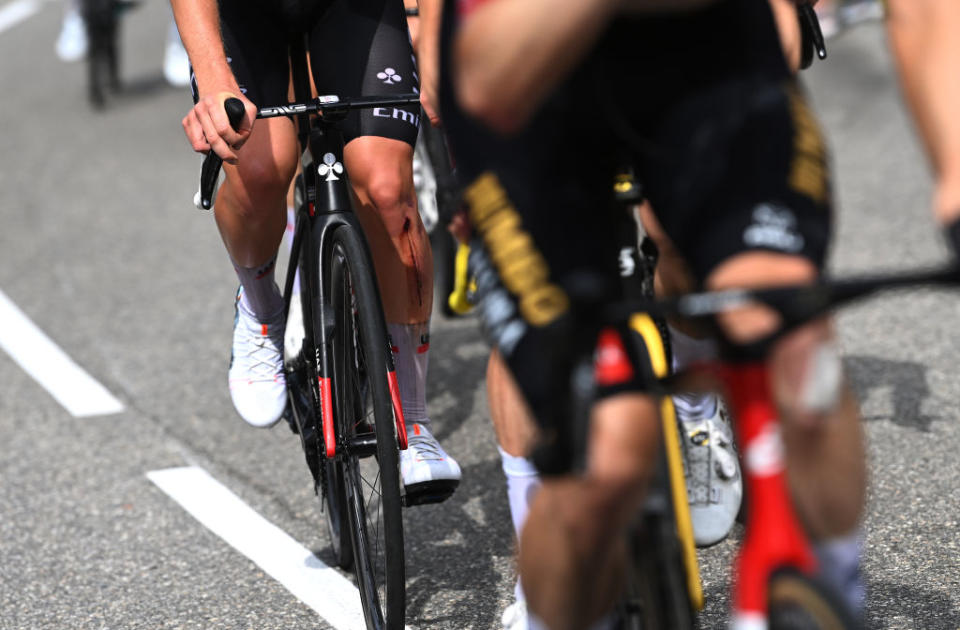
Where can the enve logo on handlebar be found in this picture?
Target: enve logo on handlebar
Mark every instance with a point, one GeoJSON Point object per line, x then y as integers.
{"type": "Point", "coordinates": [283, 110]}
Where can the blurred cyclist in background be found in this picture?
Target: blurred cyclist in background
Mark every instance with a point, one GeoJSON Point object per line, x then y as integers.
{"type": "Point", "coordinates": [72, 44]}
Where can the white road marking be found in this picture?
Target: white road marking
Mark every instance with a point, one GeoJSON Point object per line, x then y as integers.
{"type": "Point", "coordinates": [66, 381]}
{"type": "Point", "coordinates": [318, 586]}
{"type": "Point", "coordinates": [17, 11]}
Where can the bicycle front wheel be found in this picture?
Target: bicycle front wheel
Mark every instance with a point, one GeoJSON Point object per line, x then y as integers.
{"type": "Point", "coordinates": [366, 432]}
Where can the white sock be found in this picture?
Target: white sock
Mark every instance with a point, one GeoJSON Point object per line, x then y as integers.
{"type": "Point", "coordinates": [840, 568]}
{"type": "Point", "coordinates": [411, 345]}
{"type": "Point", "coordinates": [686, 350]}
{"type": "Point", "coordinates": [261, 296]}
{"type": "Point", "coordinates": [523, 480]}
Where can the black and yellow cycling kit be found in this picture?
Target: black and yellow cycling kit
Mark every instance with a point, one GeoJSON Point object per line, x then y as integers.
{"type": "Point", "coordinates": [729, 155]}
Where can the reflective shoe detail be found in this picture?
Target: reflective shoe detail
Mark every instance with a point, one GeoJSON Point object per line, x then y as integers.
{"type": "Point", "coordinates": [72, 42]}
{"type": "Point", "coordinates": [257, 383]}
{"type": "Point", "coordinates": [515, 616]}
{"type": "Point", "coordinates": [429, 474]}
{"type": "Point", "coordinates": [714, 483]}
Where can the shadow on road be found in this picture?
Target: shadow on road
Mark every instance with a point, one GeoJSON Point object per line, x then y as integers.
{"type": "Point", "coordinates": [906, 381]}
{"type": "Point", "coordinates": [459, 553]}
{"type": "Point", "coordinates": [909, 606]}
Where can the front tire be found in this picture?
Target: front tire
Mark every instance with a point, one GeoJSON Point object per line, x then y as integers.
{"type": "Point", "coordinates": [366, 433]}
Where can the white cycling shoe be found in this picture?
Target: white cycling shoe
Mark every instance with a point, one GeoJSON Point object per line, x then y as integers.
{"type": "Point", "coordinates": [72, 42]}
{"type": "Point", "coordinates": [714, 482]}
{"type": "Point", "coordinates": [257, 382]}
{"type": "Point", "coordinates": [429, 474]}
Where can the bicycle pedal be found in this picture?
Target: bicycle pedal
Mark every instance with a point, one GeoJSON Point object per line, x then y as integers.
{"type": "Point", "coordinates": [429, 492]}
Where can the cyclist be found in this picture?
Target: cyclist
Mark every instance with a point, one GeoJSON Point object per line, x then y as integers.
{"type": "Point", "coordinates": [71, 45]}
{"type": "Point", "coordinates": [726, 144]}
{"type": "Point", "coordinates": [238, 49]}
{"type": "Point", "coordinates": [714, 482]}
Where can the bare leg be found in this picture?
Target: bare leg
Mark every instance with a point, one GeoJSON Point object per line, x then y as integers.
{"type": "Point", "coordinates": [572, 548]}
{"type": "Point", "coordinates": [381, 172]}
{"type": "Point", "coordinates": [250, 209]}
{"type": "Point", "coordinates": [824, 448]}
{"type": "Point", "coordinates": [512, 421]}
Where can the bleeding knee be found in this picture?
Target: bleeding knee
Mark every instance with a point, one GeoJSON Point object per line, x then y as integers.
{"type": "Point", "coordinates": [392, 200]}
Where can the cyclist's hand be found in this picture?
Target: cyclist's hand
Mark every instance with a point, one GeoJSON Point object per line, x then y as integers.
{"type": "Point", "coordinates": [208, 128]}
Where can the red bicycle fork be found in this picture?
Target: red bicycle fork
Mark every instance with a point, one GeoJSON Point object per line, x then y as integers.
{"type": "Point", "coordinates": [326, 410]}
{"type": "Point", "coordinates": [774, 538]}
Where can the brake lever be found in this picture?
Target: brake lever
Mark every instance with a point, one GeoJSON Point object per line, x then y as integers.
{"type": "Point", "coordinates": [811, 35]}
{"type": "Point", "coordinates": [210, 171]}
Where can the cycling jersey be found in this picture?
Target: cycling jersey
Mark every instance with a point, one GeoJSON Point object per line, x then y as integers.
{"type": "Point", "coordinates": [357, 47]}
{"type": "Point", "coordinates": [729, 156]}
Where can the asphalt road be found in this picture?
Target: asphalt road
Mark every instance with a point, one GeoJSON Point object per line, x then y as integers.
{"type": "Point", "coordinates": [102, 249]}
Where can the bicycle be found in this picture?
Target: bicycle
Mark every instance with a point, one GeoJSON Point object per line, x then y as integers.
{"type": "Point", "coordinates": [775, 584]}
{"type": "Point", "coordinates": [344, 401]}
{"type": "Point", "coordinates": [662, 585]}
{"type": "Point", "coordinates": [663, 588]}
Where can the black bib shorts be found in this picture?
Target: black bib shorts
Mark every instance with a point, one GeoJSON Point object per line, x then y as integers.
{"type": "Point", "coordinates": [357, 48]}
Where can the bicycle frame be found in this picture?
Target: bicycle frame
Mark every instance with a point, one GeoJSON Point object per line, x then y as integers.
{"type": "Point", "coordinates": [782, 542]}
{"type": "Point", "coordinates": [327, 205]}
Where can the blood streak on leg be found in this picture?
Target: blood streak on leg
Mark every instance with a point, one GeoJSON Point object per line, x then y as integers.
{"type": "Point", "coordinates": [416, 279]}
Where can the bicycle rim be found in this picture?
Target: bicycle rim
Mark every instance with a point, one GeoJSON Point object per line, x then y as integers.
{"type": "Point", "coordinates": [797, 602]}
{"type": "Point", "coordinates": [364, 415]}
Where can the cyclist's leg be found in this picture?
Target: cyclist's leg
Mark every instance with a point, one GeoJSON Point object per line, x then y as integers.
{"type": "Point", "coordinates": [250, 204]}
{"type": "Point", "coordinates": [572, 551]}
{"type": "Point", "coordinates": [571, 548]}
{"type": "Point", "coordinates": [767, 222]}
{"type": "Point", "coordinates": [823, 440]}
{"type": "Point", "coordinates": [251, 207]}
{"type": "Point", "coordinates": [377, 59]}
{"type": "Point", "coordinates": [714, 482]}
{"type": "Point", "coordinates": [249, 212]}
{"type": "Point", "coordinates": [516, 434]}
{"type": "Point", "coordinates": [381, 173]}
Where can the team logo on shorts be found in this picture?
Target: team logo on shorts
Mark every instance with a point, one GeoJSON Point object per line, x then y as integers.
{"type": "Point", "coordinates": [773, 227]}
{"type": "Point", "coordinates": [389, 76]}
